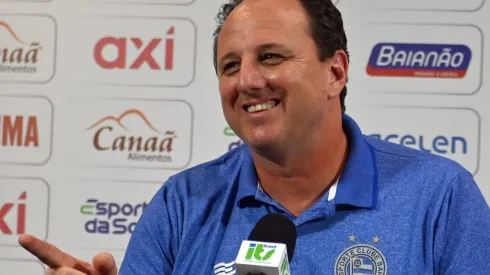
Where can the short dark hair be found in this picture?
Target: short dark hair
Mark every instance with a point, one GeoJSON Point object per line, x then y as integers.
{"type": "Point", "coordinates": [326, 25]}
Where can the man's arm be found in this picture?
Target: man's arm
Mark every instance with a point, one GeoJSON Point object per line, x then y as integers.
{"type": "Point", "coordinates": [154, 242]}
{"type": "Point", "coordinates": [462, 238]}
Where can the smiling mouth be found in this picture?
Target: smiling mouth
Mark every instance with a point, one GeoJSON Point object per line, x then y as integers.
{"type": "Point", "coordinates": [261, 106]}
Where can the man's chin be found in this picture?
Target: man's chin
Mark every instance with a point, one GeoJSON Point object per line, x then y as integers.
{"type": "Point", "coordinates": [262, 144]}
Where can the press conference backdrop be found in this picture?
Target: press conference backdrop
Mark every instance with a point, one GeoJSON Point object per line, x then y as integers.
{"type": "Point", "coordinates": [102, 100]}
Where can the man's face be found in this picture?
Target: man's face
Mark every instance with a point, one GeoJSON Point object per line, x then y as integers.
{"type": "Point", "coordinates": [273, 87]}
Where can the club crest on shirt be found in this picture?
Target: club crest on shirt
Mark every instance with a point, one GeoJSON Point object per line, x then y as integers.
{"type": "Point", "coordinates": [361, 259]}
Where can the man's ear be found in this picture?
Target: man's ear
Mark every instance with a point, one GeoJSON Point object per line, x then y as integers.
{"type": "Point", "coordinates": [337, 70]}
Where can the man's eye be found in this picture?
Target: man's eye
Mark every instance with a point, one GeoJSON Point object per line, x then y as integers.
{"type": "Point", "coordinates": [230, 66]}
{"type": "Point", "coordinates": [271, 58]}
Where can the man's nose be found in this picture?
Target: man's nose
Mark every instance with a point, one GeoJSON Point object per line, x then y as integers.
{"type": "Point", "coordinates": [250, 78]}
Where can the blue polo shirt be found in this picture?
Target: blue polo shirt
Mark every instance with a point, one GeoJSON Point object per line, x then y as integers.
{"type": "Point", "coordinates": [394, 210]}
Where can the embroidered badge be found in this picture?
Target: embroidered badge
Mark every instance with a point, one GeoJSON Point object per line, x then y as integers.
{"type": "Point", "coordinates": [361, 259]}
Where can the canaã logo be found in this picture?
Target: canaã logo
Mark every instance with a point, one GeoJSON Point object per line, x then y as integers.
{"type": "Point", "coordinates": [21, 57]}
{"type": "Point", "coordinates": [133, 133]}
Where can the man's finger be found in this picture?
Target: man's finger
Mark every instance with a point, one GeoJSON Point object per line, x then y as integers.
{"type": "Point", "coordinates": [53, 257]}
{"type": "Point", "coordinates": [105, 264]}
{"type": "Point", "coordinates": [46, 252]}
{"type": "Point", "coordinates": [64, 271]}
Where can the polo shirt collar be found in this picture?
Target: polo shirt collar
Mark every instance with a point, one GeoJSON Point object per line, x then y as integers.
{"type": "Point", "coordinates": [358, 182]}
{"type": "Point", "coordinates": [248, 179]}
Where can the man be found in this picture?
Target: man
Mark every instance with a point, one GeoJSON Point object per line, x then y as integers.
{"type": "Point", "coordinates": [360, 205]}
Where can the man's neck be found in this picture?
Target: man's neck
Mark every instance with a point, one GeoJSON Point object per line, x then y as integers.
{"type": "Point", "coordinates": [304, 176]}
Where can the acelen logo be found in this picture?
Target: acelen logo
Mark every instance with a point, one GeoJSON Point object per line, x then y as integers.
{"type": "Point", "coordinates": [439, 144]}
{"type": "Point", "coordinates": [451, 133]}
{"type": "Point", "coordinates": [111, 217]}
{"type": "Point", "coordinates": [118, 135]}
{"type": "Point", "coordinates": [419, 60]}
{"type": "Point", "coordinates": [145, 52]}
{"type": "Point", "coordinates": [23, 208]}
{"type": "Point", "coordinates": [27, 48]}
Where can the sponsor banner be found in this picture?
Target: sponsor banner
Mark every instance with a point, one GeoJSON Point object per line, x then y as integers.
{"type": "Point", "coordinates": [419, 60]}
{"type": "Point", "coordinates": [150, 2]}
{"type": "Point", "coordinates": [137, 51]}
{"type": "Point", "coordinates": [405, 58]}
{"type": "Point", "coordinates": [27, 48]}
{"type": "Point", "coordinates": [451, 133]}
{"type": "Point", "coordinates": [439, 5]}
{"type": "Point", "coordinates": [102, 218]}
{"type": "Point", "coordinates": [22, 267]}
{"type": "Point", "coordinates": [24, 206]}
{"type": "Point", "coordinates": [134, 133]}
{"type": "Point", "coordinates": [25, 130]}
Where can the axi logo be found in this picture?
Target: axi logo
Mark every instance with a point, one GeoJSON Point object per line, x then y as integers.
{"type": "Point", "coordinates": [19, 57]}
{"type": "Point", "coordinates": [133, 133]}
{"type": "Point", "coordinates": [19, 131]}
{"type": "Point", "coordinates": [255, 252]}
{"type": "Point", "coordinates": [19, 208]}
{"type": "Point", "coordinates": [419, 60]}
{"type": "Point", "coordinates": [111, 217]}
{"type": "Point", "coordinates": [123, 58]}
{"type": "Point", "coordinates": [229, 133]}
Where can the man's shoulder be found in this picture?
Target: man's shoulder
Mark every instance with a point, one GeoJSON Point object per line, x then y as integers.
{"type": "Point", "coordinates": [213, 174]}
{"type": "Point", "coordinates": [422, 177]}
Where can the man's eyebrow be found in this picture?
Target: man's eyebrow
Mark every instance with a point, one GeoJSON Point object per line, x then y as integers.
{"type": "Point", "coordinates": [269, 46]}
{"type": "Point", "coordinates": [229, 55]}
{"type": "Point", "coordinates": [261, 48]}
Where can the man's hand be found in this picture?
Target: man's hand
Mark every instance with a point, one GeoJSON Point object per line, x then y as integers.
{"type": "Point", "coordinates": [60, 263]}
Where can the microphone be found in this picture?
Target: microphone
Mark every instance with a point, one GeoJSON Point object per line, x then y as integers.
{"type": "Point", "coordinates": [269, 248]}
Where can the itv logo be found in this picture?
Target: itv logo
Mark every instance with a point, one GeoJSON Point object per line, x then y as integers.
{"type": "Point", "coordinates": [255, 252]}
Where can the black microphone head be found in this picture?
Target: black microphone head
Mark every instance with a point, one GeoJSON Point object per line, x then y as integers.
{"type": "Point", "coordinates": [275, 228]}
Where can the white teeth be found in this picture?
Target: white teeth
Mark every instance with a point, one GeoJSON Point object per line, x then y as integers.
{"type": "Point", "coordinates": [263, 106]}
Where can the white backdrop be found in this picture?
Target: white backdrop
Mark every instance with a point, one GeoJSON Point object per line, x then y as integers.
{"type": "Point", "coordinates": [102, 100]}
